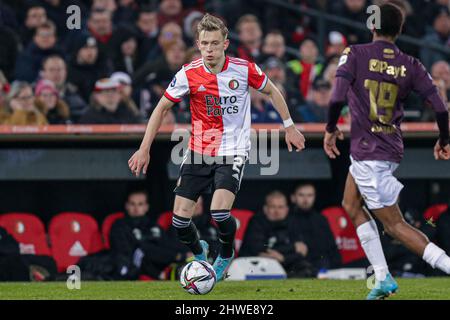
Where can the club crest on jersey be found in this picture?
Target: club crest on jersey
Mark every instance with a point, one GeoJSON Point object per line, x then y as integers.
{"type": "Point", "coordinates": [233, 84]}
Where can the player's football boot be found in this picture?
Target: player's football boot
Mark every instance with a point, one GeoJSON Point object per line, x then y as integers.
{"type": "Point", "coordinates": [221, 266]}
{"type": "Point", "coordinates": [204, 255]}
{"type": "Point", "coordinates": [383, 289]}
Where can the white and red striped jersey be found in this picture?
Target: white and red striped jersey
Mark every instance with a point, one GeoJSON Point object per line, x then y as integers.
{"type": "Point", "coordinates": [219, 103]}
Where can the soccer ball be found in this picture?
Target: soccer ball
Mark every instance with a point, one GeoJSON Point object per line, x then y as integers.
{"type": "Point", "coordinates": [198, 277]}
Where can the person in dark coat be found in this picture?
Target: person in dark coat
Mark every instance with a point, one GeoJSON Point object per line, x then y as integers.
{"type": "Point", "coordinates": [125, 50]}
{"type": "Point", "coordinates": [106, 106]}
{"type": "Point", "coordinates": [29, 62]}
{"type": "Point", "coordinates": [138, 245]}
{"type": "Point", "coordinates": [274, 235]}
{"type": "Point", "coordinates": [323, 252]}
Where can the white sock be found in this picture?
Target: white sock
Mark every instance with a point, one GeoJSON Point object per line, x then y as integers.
{"type": "Point", "coordinates": [436, 257]}
{"type": "Point", "coordinates": [370, 241]}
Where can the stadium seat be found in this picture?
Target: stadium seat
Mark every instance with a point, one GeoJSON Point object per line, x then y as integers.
{"type": "Point", "coordinates": [435, 211]}
{"type": "Point", "coordinates": [345, 234]}
{"type": "Point", "coordinates": [107, 224]}
{"type": "Point", "coordinates": [73, 235]}
{"type": "Point", "coordinates": [28, 230]}
{"type": "Point", "coordinates": [242, 218]}
{"type": "Point", "coordinates": [165, 220]}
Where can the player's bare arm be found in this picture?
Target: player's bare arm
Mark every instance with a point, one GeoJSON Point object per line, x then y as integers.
{"type": "Point", "coordinates": [141, 158]}
{"type": "Point", "coordinates": [294, 138]}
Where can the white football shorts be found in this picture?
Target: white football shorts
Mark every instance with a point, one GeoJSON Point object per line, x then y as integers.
{"type": "Point", "coordinates": [376, 182]}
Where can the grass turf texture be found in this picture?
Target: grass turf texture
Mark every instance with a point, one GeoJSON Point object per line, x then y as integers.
{"type": "Point", "coordinates": [431, 288]}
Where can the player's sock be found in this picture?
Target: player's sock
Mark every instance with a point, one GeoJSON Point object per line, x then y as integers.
{"type": "Point", "coordinates": [436, 257]}
{"type": "Point", "coordinates": [370, 241]}
{"type": "Point", "coordinates": [187, 233]}
{"type": "Point", "coordinates": [227, 229]}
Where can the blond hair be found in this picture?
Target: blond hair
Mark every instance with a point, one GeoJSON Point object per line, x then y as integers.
{"type": "Point", "coordinates": [212, 23]}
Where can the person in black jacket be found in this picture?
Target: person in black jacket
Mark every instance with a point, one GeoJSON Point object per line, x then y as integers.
{"type": "Point", "coordinates": [274, 234]}
{"type": "Point", "coordinates": [138, 245]}
{"type": "Point", "coordinates": [323, 252]}
{"type": "Point", "coordinates": [107, 106]}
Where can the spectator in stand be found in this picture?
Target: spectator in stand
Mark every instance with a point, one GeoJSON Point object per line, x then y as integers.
{"type": "Point", "coordinates": [49, 104]}
{"type": "Point", "coordinates": [9, 48]}
{"type": "Point", "coordinates": [125, 90]}
{"type": "Point", "coordinates": [274, 45]}
{"type": "Point", "coordinates": [4, 89]}
{"type": "Point", "coordinates": [323, 252]}
{"type": "Point", "coordinates": [336, 44]}
{"type": "Point", "coordinates": [170, 32]}
{"type": "Point", "coordinates": [29, 62]}
{"type": "Point", "coordinates": [305, 70]}
{"type": "Point", "coordinates": [440, 34]}
{"type": "Point", "coordinates": [100, 26]}
{"type": "Point", "coordinates": [54, 69]}
{"type": "Point", "coordinates": [138, 245]}
{"type": "Point", "coordinates": [250, 37]}
{"type": "Point", "coordinates": [35, 17]}
{"type": "Point", "coordinates": [107, 106]}
{"type": "Point", "coordinates": [274, 235]}
{"type": "Point", "coordinates": [126, 11]}
{"type": "Point", "coordinates": [316, 107]}
{"type": "Point", "coordinates": [125, 50]}
{"type": "Point", "coordinates": [440, 71]}
{"type": "Point", "coordinates": [354, 10]}
{"type": "Point", "coordinates": [147, 30]}
{"type": "Point", "coordinates": [170, 11]}
{"type": "Point", "coordinates": [154, 76]}
{"type": "Point", "coordinates": [190, 26]}
{"type": "Point", "coordinates": [87, 65]}
{"type": "Point", "coordinates": [263, 110]}
{"type": "Point", "coordinates": [21, 108]}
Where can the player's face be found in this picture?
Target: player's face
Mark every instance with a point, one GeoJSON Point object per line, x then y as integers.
{"type": "Point", "coordinates": [212, 46]}
{"type": "Point", "coordinates": [276, 209]}
{"type": "Point", "coordinates": [137, 205]}
{"type": "Point", "coordinates": [305, 197]}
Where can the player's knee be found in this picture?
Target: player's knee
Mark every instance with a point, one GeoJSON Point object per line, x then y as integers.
{"type": "Point", "coordinates": [393, 228]}
{"type": "Point", "coordinates": [351, 207]}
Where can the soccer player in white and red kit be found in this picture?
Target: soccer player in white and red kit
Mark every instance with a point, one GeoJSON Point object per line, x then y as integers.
{"type": "Point", "coordinates": [218, 87]}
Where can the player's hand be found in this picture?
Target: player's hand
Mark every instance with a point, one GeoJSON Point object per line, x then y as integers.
{"type": "Point", "coordinates": [329, 143]}
{"type": "Point", "coordinates": [139, 161]}
{"type": "Point", "coordinates": [294, 138]}
{"type": "Point", "coordinates": [302, 248]}
{"type": "Point", "coordinates": [441, 153]}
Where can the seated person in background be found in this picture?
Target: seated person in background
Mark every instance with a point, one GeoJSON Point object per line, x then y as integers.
{"type": "Point", "coordinates": [49, 104]}
{"type": "Point", "coordinates": [54, 68]}
{"type": "Point", "coordinates": [274, 235]}
{"type": "Point", "coordinates": [322, 250]}
{"type": "Point", "coordinates": [21, 108]}
{"type": "Point", "coordinates": [125, 90]}
{"type": "Point", "coordinates": [316, 107]}
{"type": "Point", "coordinates": [138, 245]}
{"type": "Point", "coordinates": [106, 106]}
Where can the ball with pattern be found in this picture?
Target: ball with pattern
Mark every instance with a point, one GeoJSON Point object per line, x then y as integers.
{"type": "Point", "coordinates": [198, 277]}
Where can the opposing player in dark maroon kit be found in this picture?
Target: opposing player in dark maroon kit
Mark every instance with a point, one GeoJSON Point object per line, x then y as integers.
{"type": "Point", "coordinates": [375, 79]}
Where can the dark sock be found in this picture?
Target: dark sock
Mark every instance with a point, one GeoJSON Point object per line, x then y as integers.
{"type": "Point", "coordinates": [227, 230]}
{"type": "Point", "coordinates": [187, 233]}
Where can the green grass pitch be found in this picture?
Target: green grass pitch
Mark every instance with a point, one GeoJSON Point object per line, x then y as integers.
{"type": "Point", "coordinates": [423, 289]}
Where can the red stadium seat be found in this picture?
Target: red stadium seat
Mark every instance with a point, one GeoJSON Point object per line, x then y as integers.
{"type": "Point", "coordinates": [345, 234]}
{"type": "Point", "coordinates": [107, 224]}
{"type": "Point", "coordinates": [435, 211]}
{"type": "Point", "coordinates": [72, 236]}
{"type": "Point", "coordinates": [242, 218]}
{"type": "Point", "coordinates": [165, 220]}
{"type": "Point", "coordinates": [28, 230]}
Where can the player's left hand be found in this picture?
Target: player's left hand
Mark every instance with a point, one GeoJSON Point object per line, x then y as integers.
{"type": "Point", "coordinates": [329, 143]}
{"type": "Point", "coordinates": [441, 153]}
{"type": "Point", "coordinates": [294, 138]}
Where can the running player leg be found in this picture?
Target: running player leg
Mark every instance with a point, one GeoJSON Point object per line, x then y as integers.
{"type": "Point", "coordinates": [186, 229]}
{"type": "Point", "coordinates": [413, 239]}
{"type": "Point", "coordinates": [366, 229]}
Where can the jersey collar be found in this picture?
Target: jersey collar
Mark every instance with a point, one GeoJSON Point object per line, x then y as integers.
{"type": "Point", "coordinates": [225, 65]}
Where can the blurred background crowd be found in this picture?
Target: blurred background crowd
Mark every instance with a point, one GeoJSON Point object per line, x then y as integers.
{"type": "Point", "coordinates": [115, 68]}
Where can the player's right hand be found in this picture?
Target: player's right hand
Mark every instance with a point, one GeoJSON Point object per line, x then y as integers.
{"type": "Point", "coordinates": [441, 153]}
{"type": "Point", "coordinates": [329, 143]}
{"type": "Point", "coordinates": [139, 161]}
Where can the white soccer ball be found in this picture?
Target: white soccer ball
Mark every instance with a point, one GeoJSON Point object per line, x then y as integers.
{"type": "Point", "coordinates": [198, 277]}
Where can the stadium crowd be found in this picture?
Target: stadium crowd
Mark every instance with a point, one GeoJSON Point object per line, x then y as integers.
{"type": "Point", "coordinates": [115, 68]}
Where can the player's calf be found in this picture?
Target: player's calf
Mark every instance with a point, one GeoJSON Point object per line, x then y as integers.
{"type": "Point", "coordinates": [227, 230]}
{"type": "Point", "coordinates": [187, 233]}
